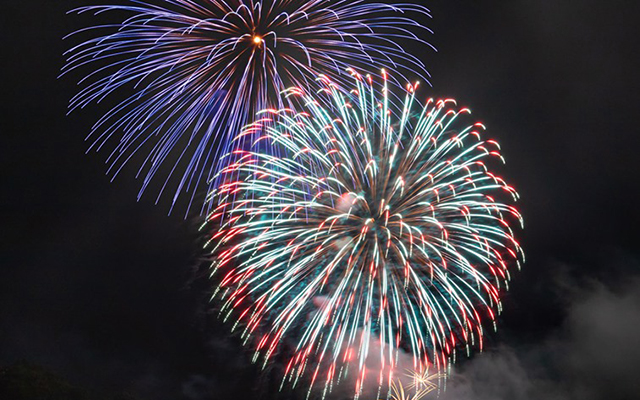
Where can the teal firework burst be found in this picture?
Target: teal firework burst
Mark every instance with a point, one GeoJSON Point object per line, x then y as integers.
{"type": "Point", "coordinates": [381, 230]}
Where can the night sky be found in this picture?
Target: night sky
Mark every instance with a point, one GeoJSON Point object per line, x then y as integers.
{"type": "Point", "coordinates": [109, 292]}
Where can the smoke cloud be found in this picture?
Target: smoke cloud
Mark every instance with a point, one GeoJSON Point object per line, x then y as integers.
{"type": "Point", "coordinates": [594, 354]}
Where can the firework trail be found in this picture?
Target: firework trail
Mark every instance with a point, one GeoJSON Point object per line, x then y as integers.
{"type": "Point", "coordinates": [199, 70]}
{"type": "Point", "coordinates": [382, 223]}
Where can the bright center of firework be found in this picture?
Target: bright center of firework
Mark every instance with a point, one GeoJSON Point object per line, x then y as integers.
{"type": "Point", "coordinates": [257, 39]}
{"type": "Point", "coordinates": [364, 214]}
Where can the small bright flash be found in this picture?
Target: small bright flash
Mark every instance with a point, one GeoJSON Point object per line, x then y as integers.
{"type": "Point", "coordinates": [257, 39]}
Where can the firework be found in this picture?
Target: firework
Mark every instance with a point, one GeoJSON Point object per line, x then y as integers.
{"type": "Point", "coordinates": [379, 224]}
{"type": "Point", "coordinates": [422, 383]}
{"type": "Point", "coordinates": [197, 70]}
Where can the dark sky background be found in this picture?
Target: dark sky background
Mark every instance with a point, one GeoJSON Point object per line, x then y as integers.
{"type": "Point", "coordinates": [101, 289]}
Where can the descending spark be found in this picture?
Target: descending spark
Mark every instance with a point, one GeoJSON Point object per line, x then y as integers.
{"type": "Point", "coordinates": [379, 222]}
{"type": "Point", "coordinates": [198, 70]}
